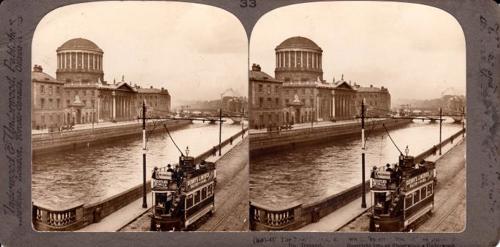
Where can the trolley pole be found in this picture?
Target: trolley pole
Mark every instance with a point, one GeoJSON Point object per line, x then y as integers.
{"type": "Point", "coordinates": [440, 127]}
{"type": "Point", "coordinates": [144, 202]}
{"type": "Point", "coordinates": [220, 130]}
{"type": "Point", "coordinates": [363, 195]}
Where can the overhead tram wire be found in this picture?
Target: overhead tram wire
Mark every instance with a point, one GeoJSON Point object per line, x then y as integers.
{"type": "Point", "coordinates": [175, 144]}
{"type": "Point", "coordinates": [401, 153]}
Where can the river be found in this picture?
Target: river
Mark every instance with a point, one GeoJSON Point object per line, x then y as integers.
{"type": "Point", "coordinates": [87, 175]}
{"type": "Point", "coordinates": [311, 173]}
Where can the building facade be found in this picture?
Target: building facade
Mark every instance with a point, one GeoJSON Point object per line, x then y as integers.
{"type": "Point", "coordinates": [299, 86]}
{"type": "Point", "coordinates": [377, 100]}
{"type": "Point", "coordinates": [80, 95]}
{"type": "Point", "coordinates": [265, 102]}
{"type": "Point", "coordinates": [47, 96]}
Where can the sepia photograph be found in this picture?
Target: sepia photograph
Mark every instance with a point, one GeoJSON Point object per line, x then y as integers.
{"type": "Point", "coordinates": [139, 118]}
{"type": "Point", "coordinates": [357, 119]}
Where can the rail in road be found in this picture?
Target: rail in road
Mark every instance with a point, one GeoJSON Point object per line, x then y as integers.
{"type": "Point", "coordinates": [296, 216]}
{"type": "Point", "coordinates": [78, 216]}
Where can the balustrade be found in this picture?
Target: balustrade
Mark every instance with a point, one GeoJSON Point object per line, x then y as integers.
{"type": "Point", "coordinates": [271, 219]}
{"type": "Point", "coordinates": [48, 219]}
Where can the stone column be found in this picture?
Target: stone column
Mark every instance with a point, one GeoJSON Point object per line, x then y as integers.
{"type": "Point", "coordinates": [289, 59]}
{"type": "Point", "coordinates": [333, 105]}
{"type": "Point", "coordinates": [113, 117]}
{"type": "Point", "coordinates": [98, 108]}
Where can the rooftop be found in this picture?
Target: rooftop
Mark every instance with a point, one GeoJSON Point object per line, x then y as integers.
{"type": "Point", "coordinates": [79, 44]}
{"type": "Point", "coordinates": [298, 42]}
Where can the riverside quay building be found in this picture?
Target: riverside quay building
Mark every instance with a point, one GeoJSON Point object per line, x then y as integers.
{"type": "Point", "coordinates": [299, 94]}
{"type": "Point", "coordinates": [80, 95]}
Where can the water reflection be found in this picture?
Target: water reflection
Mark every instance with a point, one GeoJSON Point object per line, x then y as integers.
{"type": "Point", "coordinates": [90, 174]}
{"type": "Point", "coordinates": [311, 173]}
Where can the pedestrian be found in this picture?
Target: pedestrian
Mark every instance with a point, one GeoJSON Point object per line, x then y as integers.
{"type": "Point", "coordinates": [155, 170]}
{"type": "Point", "coordinates": [388, 168]}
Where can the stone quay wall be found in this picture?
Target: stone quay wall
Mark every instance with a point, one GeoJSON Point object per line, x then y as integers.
{"type": "Point", "coordinates": [264, 218]}
{"type": "Point", "coordinates": [58, 141]}
{"type": "Point", "coordinates": [76, 217]}
{"type": "Point", "coordinates": [274, 141]}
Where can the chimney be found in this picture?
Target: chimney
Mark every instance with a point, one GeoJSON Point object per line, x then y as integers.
{"type": "Point", "coordinates": [151, 87]}
{"type": "Point", "coordinates": [371, 85]}
{"type": "Point", "coordinates": [255, 67]}
{"type": "Point", "coordinates": [37, 68]}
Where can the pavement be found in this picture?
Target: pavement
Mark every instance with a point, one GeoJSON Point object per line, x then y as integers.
{"type": "Point", "coordinates": [89, 126]}
{"type": "Point", "coordinates": [449, 200]}
{"type": "Point", "coordinates": [315, 124]}
{"type": "Point", "coordinates": [134, 211]}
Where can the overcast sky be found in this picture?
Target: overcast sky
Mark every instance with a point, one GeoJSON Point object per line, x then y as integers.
{"type": "Point", "coordinates": [415, 50]}
{"type": "Point", "coordinates": [193, 50]}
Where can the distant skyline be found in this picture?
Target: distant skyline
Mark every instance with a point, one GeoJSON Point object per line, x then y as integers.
{"type": "Point", "coordinates": [193, 50]}
{"type": "Point", "coordinates": [416, 51]}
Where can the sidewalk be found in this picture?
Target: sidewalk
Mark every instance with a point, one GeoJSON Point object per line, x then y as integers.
{"type": "Point", "coordinates": [132, 211]}
{"type": "Point", "coordinates": [339, 217]}
{"type": "Point", "coordinates": [89, 126]}
{"type": "Point", "coordinates": [317, 124]}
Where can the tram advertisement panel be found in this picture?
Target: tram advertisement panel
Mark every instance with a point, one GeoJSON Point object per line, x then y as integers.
{"type": "Point", "coordinates": [199, 180]}
{"type": "Point", "coordinates": [419, 179]}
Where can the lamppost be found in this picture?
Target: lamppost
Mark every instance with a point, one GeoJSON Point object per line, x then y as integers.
{"type": "Point", "coordinates": [363, 199]}
{"type": "Point", "coordinates": [144, 203]}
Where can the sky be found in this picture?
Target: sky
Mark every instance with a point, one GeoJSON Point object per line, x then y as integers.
{"type": "Point", "coordinates": [195, 51]}
{"type": "Point", "coordinates": [416, 51]}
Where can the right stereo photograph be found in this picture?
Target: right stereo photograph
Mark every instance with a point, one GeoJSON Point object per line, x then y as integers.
{"type": "Point", "coordinates": [357, 119]}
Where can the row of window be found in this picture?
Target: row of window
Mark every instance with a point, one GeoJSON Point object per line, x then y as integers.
{"type": "Point", "coordinates": [50, 89]}
{"type": "Point", "coordinates": [269, 102]}
{"type": "Point", "coordinates": [418, 196]}
{"type": "Point", "coordinates": [199, 195]}
{"type": "Point", "coordinates": [269, 88]}
{"type": "Point", "coordinates": [50, 103]}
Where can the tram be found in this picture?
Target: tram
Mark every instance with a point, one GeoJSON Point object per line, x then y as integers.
{"type": "Point", "coordinates": [402, 194]}
{"type": "Point", "coordinates": [182, 195]}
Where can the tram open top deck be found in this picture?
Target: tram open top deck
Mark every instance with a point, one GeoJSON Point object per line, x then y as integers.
{"type": "Point", "coordinates": [401, 193]}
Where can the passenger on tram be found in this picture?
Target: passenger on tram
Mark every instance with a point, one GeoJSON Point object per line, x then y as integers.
{"type": "Point", "coordinates": [388, 169]}
{"type": "Point", "coordinates": [374, 172]}
{"type": "Point", "coordinates": [155, 170]}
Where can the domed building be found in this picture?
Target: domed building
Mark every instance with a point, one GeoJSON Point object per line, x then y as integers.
{"type": "Point", "coordinates": [79, 60]}
{"type": "Point", "coordinates": [298, 59]}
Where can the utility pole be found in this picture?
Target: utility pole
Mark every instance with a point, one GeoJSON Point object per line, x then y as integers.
{"type": "Point", "coordinates": [144, 203]}
{"type": "Point", "coordinates": [220, 129]}
{"type": "Point", "coordinates": [463, 121]}
{"type": "Point", "coordinates": [440, 127]}
{"type": "Point", "coordinates": [363, 194]}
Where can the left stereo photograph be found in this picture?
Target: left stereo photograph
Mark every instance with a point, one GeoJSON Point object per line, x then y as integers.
{"type": "Point", "coordinates": [139, 118]}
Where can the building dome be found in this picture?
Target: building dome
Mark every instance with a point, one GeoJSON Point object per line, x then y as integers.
{"type": "Point", "coordinates": [298, 42]}
{"type": "Point", "coordinates": [79, 44]}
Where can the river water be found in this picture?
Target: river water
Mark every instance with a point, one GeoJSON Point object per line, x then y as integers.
{"type": "Point", "coordinates": [311, 173]}
{"type": "Point", "coordinates": [65, 179]}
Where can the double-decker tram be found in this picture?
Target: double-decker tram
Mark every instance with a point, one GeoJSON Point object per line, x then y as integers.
{"type": "Point", "coordinates": [183, 195]}
{"type": "Point", "coordinates": [401, 194]}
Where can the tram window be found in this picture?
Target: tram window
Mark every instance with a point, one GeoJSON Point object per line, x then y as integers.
{"type": "Point", "coordinates": [196, 197]}
{"type": "Point", "coordinates": [210, 189]}
{"type": "Point", "coordinates": [423, 192]}
{"type": "Point", "coordinates": [416, 196]}
{"type": "Point", "coordinates": [408, 201]}
{"type": "Point", "coordinates": [189, 201]}
{"type": "Point", "coordinates": [204, 193]}
{"type": "Point", "coordinates": [429, 189]}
